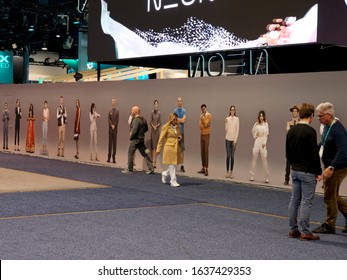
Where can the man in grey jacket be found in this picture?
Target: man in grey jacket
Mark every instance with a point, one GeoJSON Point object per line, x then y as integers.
{"type": "Point", "coordinates": [138, 128]}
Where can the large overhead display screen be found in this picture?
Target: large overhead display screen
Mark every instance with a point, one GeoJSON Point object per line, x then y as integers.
{"type": "Point", "coordinates": [332, 22]}
{"type": "Point", "coordinates": [144, 28]}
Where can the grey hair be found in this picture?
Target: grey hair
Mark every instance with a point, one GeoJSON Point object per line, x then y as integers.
{"type": "Point", "coordinates": [326, 107]}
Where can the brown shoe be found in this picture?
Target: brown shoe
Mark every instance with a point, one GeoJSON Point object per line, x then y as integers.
{"type": "Point", "coordinates": [324, 229]}
{"type": "Point", "coordinates": [308, 237]}
{"type": "Point", "coordinates": [294, 233]}
{"type": "Point", "coordinates": [202, 171]}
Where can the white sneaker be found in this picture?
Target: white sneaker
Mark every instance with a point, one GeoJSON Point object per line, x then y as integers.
{"type": "Point", "coordinates": [175, 184]}
{"type": "Point", "coordinates": [150, 171]}
{"type": "Point", "coordinates": [163, 178]}
{"type": "Point", "coordinates": [127, 171]}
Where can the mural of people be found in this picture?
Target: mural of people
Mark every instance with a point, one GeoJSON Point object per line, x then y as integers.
{"type": "Point", "coordinates": [93, 116]}
{"type": "Point", "coordinates": [30, 139]}
{"type": "Point", "coordinates": [113, 120]}
{"type": "Point", "coordinates": [294, 121]}
{"type": "Point", "coordinates": [155, 130]}
{"type": "Point", "coordinates": [260, 132]}
{"type": "Point", "coordinates": [61, 117]}
{"type": "Point", "coordinates": [232, 126]}
{"type": "Point", "coordinates": [45, 119]}
{"type": "Point", "coordinates": [205, 131]}
{"type": "Point", "coordinates": [77, 127]}
{"type": "Point", "coordinates": [18, 114]}
{"type": "Point", "coordinates": [182, 116]}
{"type": "Point", "coordinates": [5, 119]}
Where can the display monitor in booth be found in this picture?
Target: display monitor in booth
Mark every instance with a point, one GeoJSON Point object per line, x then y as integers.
{"type": "Point", "coordinates": [146, 28]}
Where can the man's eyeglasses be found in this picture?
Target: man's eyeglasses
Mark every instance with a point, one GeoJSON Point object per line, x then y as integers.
{"type": "Point", "coordinates": [321, 115]}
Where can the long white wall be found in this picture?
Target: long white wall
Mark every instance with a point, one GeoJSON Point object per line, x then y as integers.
{"type": "Point", "coordinates": [273, 93]}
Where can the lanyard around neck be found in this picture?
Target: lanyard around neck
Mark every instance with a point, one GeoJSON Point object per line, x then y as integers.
{"type": "Point", "coordinates": [326, 136]}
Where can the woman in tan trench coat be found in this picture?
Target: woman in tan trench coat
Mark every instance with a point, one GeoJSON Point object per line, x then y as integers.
{"type": "Point", "coordinates": [170, 138]}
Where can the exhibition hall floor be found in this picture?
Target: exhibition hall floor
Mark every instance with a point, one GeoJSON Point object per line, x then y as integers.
{"type": "Point", "coordinates": [61, 209]}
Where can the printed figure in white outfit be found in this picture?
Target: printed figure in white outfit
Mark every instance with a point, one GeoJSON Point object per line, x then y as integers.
{"type": "Point", "coordinates": [93, 116]}
{"type": "Point", "coordinates": [260, 132]}
{"type": "Point", "coordinates": [170, 137]}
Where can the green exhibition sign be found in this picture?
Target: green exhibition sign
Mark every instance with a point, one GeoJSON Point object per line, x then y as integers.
{"type": "Point", "coordinates": [6, 67]}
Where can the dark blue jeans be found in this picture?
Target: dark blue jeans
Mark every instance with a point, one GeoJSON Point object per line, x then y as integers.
{"type": "Point", "coordinates": [229, 145]}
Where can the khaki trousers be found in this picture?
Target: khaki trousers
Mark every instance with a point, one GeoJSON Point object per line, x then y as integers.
{"type": "Point", "coordinates": [61, 138]}
{"type": "Point", "coordinates": [333, 201]}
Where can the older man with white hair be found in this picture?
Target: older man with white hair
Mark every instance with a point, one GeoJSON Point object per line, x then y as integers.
{"type": "Point", "coordinates": [333, 152]}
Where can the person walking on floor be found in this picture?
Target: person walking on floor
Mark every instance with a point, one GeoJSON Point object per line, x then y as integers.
{"type": "Point", "coordinates": [138, 128]}
{"type": "Point", "coordinates": [169, 141]}
{"type": "Point", "coordinates": [333, 152]}
{"type": "Point", "coordinates": [302, 155]}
